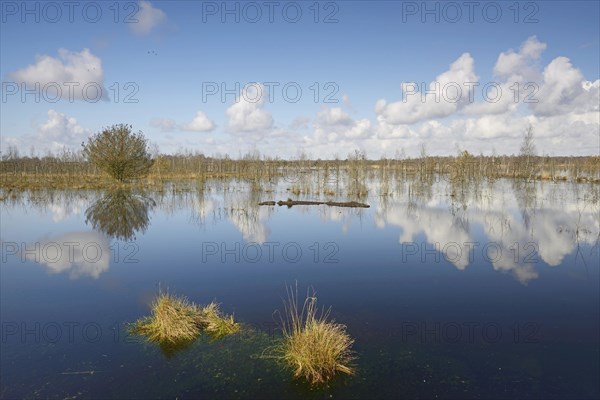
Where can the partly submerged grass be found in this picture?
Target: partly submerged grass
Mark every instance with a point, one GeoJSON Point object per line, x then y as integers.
{"type": "Point", "coordinates": [217, 324]}
{"type": "Point", "coordinates": [173, 320]}
{"type": "Point", "coordinates": [176, 320]}
{"type": "Point", "coordinates": [313, 347]}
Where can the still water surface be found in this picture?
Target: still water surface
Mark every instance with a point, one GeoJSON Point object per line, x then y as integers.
{"type": "Point", "coordinates": [481, 292]}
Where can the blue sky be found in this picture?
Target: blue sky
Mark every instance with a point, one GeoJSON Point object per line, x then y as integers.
{"type": "Point", "coordinates": [360, 59]}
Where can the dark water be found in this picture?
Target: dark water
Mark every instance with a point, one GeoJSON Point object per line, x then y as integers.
{"type": "Point", "coordinates": [486, 292]}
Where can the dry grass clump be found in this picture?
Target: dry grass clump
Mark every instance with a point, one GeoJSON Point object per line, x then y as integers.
{"type": "Point", "coordinates": [176, 320]}
{"type": "Point", "coordinates": [217, 324]}
{"type": "Point", "coordinates": [313, 347]}
{"type": "Point", "coordinates": [173, 320]}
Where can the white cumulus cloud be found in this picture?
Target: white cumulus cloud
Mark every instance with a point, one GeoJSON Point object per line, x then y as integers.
{"type": "Point", "coordinates": [334, 124]}
{"type": "Point", "coordinates": [148, 18]}
{"type": "Point", "coordinates": [519, 66]}
{"type": "Point", "coordinates": [200, 123]}
{"type": "Point", "coordinates": [59, 132]}
{"type": "Point", "coordinates": [247, 114]}
{"type": "Point", "coordinates": [450, 91]}
{"type": "Point", "coordinates": [70, 76]}
{"type": "Point", "coordinates": [565, 90]}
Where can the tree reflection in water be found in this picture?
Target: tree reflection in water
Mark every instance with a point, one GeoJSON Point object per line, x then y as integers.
{"type": "Point", "coordinates": [120, 214]}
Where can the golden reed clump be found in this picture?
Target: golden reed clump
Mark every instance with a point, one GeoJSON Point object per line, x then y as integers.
{"type": "Point", "coordinates": [175, 320]}
{"type": "Point", "coordinates": [314, 347]}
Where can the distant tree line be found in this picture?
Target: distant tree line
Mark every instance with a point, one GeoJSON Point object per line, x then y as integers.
{"type": "Point", "coordinates": [120, 153]}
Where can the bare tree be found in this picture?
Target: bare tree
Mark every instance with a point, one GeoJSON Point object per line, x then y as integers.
{"type": "Point", "coordinates": [120, 152]}
{"type": "Point", "coordinates": [528, 144]}
{"type": "Point", "coordinates": [423, 151]}
{"type": "Point", "coordinates": [12, 153]}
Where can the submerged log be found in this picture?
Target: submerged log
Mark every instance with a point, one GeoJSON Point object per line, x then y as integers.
{"type": "Point", "coordinates": [347, 204]}
{"type": "Point", "coordinates": [290, 203]}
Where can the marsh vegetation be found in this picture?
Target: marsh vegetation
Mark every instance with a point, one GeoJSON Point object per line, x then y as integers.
{"type": "Point", "coordinates": [175, 321]}
{"type": "Point", "coordinates": [304, 176]}
{"type": "Point", "coordinates": [314, 346]}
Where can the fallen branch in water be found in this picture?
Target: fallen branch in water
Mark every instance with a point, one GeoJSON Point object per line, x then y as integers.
{"type": "Point", "coordinates": [290, 203]}
{"type": "Point", "coordinates": [80, 373]}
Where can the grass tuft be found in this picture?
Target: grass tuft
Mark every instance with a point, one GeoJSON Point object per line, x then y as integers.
{"type": "Point", "coordinates": [217, 324]}
{"type": "Point", "coordinates": [176, 320]}
{"type": "Point", "coordinates": [313, 347]}
{"type": "Point", "coordinates": [173, 320]}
